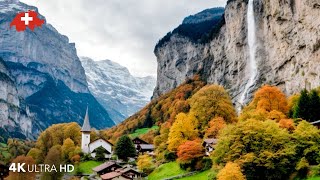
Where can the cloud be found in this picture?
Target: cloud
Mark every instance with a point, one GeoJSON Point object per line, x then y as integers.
{"type": "Point", "coordinates": [124, 31]}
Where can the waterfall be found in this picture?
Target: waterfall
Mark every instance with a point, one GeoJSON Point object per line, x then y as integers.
{"type": "Point", "coordinates": [253, 71]}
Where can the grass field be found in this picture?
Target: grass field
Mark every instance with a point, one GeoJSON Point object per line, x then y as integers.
{"type": "Point", "coordinates": [142, 131]}
{"type": "Point", "coordinates": [165, 171]}
{"type": "Point", "coordinates": [86, 167]}
{"type": "Point", "coordinates": [314, 178]}
{"type": "Point", "coordinates": [200, 176]}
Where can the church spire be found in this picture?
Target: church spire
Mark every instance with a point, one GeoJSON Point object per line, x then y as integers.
{"type": "Point", "coordinates": [86, 124]}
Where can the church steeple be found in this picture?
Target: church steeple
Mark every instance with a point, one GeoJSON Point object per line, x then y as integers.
{"type": "Point", "coordinates": [86, 124]}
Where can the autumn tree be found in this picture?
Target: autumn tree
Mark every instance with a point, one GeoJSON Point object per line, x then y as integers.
{"type": "Point", "coordinates": [53, 158]}
{"type": "Point", "coordinates": [212, 101]}
{"type": "Point", "coordinates": [269, 102]}
{"type": "Point", "coordinates": [67, 149]}
{"type": "Point", "coordinates": [184, 128]}
{"type": "Point", "coordinates": [145, 163]}
{"type": "Point", "coordinates": [231, 171]}
{"type": "Point", "coordinates": [20, 175]}
{"type": "Point", "coordinates": [35, 154]}
{"type": "Point", "coordinates": [125, 148]}
{"type": "Point", "coordinates": [261, 148]}
{"type": "Point", "coordinates": [307, 140]}
{"type": "Point", "coordinates": [287, 124]}
{"type": "Point", "coordinates": [215, 125]}
{"type": "Point", "coordinates": [190, 150]}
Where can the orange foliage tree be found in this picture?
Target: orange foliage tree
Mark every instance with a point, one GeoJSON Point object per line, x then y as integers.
{"type": "Point", "coordinates": [215, 125]}
{"type": "Point", "coordinates": [25, 176]}
{"type": "Point", "coordinates": [190, 150]}
{"type": "Point", "coordinates": [287, 124]}
{"type": "Point", "coordinates": [268, 103]}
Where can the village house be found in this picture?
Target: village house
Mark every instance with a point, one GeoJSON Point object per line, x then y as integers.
{"type": "Point", "coordinates": [106, 167]}
{"type": "Point", "coordinates": [122, 174]}
{"type": "Point", "coordinates": [90, 147]}
{"type": "Point", "coordinates": [209, 145]}
{"type": "Point", "coordinates": [142, 146]}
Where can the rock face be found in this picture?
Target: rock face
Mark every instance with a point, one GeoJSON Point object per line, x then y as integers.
{"type": "Point", "coordinates": [116, 89]}
{"type": "Point", "coordinates": [15, 121]}
{"type": "Point", "coordinates": [288, 55]}
{"type": "Point", "coordinates": [46, 75]}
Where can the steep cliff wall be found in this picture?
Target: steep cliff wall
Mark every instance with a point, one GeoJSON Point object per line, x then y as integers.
{"type": "Point", "coordinates": [288, 54]}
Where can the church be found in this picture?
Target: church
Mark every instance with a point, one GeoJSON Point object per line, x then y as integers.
{"type": "Point", "coordinates": [89, 147]}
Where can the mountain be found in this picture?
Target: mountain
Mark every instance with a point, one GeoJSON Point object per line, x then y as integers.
{"type": "Point", "coordinates": [116, 89]}
{"type": "Point", "coordinates": [47, 74]}
{"type": "Point", "coordinates": [282, 49]}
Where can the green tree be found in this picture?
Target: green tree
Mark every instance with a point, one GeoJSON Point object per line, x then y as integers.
{"type": "Point", "coordinates": [261, 148]}
{"type": "Point", "coordinates": [314, 106]}
{"type": "Point", "coordinates": [302, 108]}
{"type": "Point", "coordinates": [125, 148]}
{"type": "Point", "coordinates": [100, 153]}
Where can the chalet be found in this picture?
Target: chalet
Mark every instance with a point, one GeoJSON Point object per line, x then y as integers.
{"type": "Point", "coordinates": [4, 171]}
{"type": "Point", "coordinates": [142, 146]}
{"type": "Point", "coordinates": [209, 145]}
{"type": "Point", "coordinates": [90, 147]}
{"type": "Point", "coordinates": [106, 167]}
{"type": "Point", "coordinates": [122, 174]}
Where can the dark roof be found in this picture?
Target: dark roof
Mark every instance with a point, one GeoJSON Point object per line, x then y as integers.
{"type": "Point", "coordinates": [146, 146]}
{"type": "Point", "coordinates": [211, 141]}
{"type": "Point", "coordinates": [86, 124]}
{"type": "Point", "coordinates": [104, 166]}
{"type": "Point", "coordinates": [143, 142]}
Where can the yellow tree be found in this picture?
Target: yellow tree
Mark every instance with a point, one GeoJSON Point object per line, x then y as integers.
{"type": "Point", "coordinates": [212, 101]}
{"type": "Point", "coordinates": [231, 171]}
{"type": "Point", "coordinates": [184, 128]}
{"type": "Point", "coordinates": [145, 163]}
{"type": "Point", "coordinates": [68, 149]}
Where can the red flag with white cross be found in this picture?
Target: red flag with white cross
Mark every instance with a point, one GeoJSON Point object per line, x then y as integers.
{"type": "Point", "coordinates": [26, 19]}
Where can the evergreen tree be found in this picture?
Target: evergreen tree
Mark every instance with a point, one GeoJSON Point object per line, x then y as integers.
{"type": "Point", "coordinates": [302, 108]}
{"type": "Point", "coordinates": [100, 153]}
{"type": "Point", "coordinates": [314, 106]}
{"type": "Point", "coordinates": [125, 148]}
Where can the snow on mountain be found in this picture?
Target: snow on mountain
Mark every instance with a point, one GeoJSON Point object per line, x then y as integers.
{"type": "Point", "coordinates": [116, 89]}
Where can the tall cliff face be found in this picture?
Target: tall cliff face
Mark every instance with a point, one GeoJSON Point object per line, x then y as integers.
{"type": "Point", "coordinates": [46, 76]}
{"type": "Point", "coordinates": [15, 119]}
{"type": "Point", "coordinates": [120, 93]}
{"type": "Point", "coordinates": [287, 55]}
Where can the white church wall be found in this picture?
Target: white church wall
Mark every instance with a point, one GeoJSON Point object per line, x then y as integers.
{"type": "Point", "coordinates": [100, 142]}
{"type": "Point", "coordinates": [85, 142]}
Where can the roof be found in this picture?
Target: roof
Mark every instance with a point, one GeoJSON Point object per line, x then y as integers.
{"type": "Point", "coordinates": [104, 166]}
{"type": "Point", "coordinates": [86, 124]}
{"type": "Point", "coordinates": [111, 175]}
{"type": "Point", "coordinates": [102, 140]}
{"type": "Point", "coordinates": [315, 122]}
{"type": "Point", "coordinates": [143, 142]}
{"type": "Point", "coordinates": [211, 141]}
{"type": "Point", "coordinates": [146, 146]}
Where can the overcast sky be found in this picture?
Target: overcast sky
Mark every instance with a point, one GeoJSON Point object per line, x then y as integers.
{"type": "Point", "coordinates": [124, 31]}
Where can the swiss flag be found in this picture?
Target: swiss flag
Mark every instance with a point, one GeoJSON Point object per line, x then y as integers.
{"type": "Point", "coordinates": [26, 19]}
